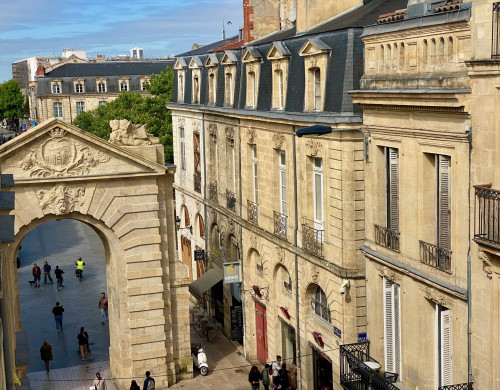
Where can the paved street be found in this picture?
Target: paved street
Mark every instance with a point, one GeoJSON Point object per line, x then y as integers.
{"type": "Point", "coordinates": [61, 243]}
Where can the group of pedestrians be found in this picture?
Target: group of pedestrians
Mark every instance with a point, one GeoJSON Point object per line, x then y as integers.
{"type": "Point", "coordinates": [100, 383]}
{"type": "Point", "coordinates": [275, 375]}
{"type": "Point", "coordinates": [37, 274]}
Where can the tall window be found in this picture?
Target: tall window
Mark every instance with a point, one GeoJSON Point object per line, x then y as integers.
{"type": "Point", "coordinates": [443, 164]}
{"type": "Point", "coordinates": [56, 88]}
{"type": "Point", "coordinates": [320, 304]}
{"type": "Point", "coordinates": [318, 192]}
{"type": "Point", "coordinates": [102, 102]}
{"type": "Point", "coordinates": [183, 150]}
{"type": "Point", "coordinates": [281, 94]}
{"type": "Point", "coordinates": [196, 90]}
{"type": "Point", "coordinates": [282, 166]}
{"type": "Point", "coordinates": [212, 86]}
{"type": "Point", "coordinates": [79, 88]}
{"type": "Point", "coordinates": [58, 111]}
{"type": "Point", "coordinates": [196, 152]}
{"type": "Point", "coordinates": [392, 188]}
{"type": "Point", "coordinates": [392, 327]}
{"type": "Point", "coordinates": [229, 88]}
{"type": "Point", "coordinates": [123, 86]}
{"type": "Point", "coordinates": [317, 89]}
{"type": "Point", "coordinates": [181, 87]}
{"type": "Point", "coordinates": [101, 87]}
{"type": "Point", "coordinates": [253, 89]}
{"type": "Point", "coordinates": [80, 107]}
{"type": "Point", "coordinates": [443, 326]}
{"type": "Point", "coordinates": [255, 177]}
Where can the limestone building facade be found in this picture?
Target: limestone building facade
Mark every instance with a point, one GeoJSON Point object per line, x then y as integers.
{"type": "Point", "coordinates": [270, 158]}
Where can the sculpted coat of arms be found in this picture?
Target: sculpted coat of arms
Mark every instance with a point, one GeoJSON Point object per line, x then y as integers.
{"type": "Point", "coordinates": [58, 156]}
{"type": "Point", "coordinates": [61, 199]}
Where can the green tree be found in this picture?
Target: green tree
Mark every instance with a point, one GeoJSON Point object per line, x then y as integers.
{"type": "Point", "coordinates": [12, 104]}
{"type": "Point", "coordinates": [150, 110]}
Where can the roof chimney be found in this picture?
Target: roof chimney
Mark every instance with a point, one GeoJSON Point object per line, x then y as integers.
{"type": "Point", "coordinates": [40, 70]}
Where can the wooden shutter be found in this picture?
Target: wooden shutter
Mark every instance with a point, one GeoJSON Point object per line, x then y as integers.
{"type": "Point", "coordinates": [186, 217]}
{"type": "Point", "coordinates": [202, 226]}
{"type": "Point", "coordinates": [392, 332]}
{"type": "Point", "coordinates": [392, 189]}
{"type": "Point", "coordinates": [446, 361]}
{"type": "Point", "coordinates": [196, 148]}
{"type": "Point", "coordinates": [444, 212]}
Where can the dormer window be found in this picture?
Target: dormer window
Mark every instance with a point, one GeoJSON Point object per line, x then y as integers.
{"type": "Point", "coordinates": [252, 89]}
{"type": "Point", "coordinates": [55, 86]}
{"type": "Point", "coordinates": [101, 85]}
{"type": "Point", "coordinates": [181, 87]}
{"type": "Point", "coordinates": [180, 66]}
{"type": "Point", "coordinates": [280, 89]}
{"type": "Point", "coordinates": [144, 81]}
{"type": "Point", "coordinates": [252, 58]}
{"type": "Point", "coordinates": [229, 88]}
{"type": "Point", "coordinates": [278, 54]}
{"type": "Point", "coordinates": [79, 87]}
{"type": "Point", "coordinates": [212, 87]}
{"type": "Point", "coordinates": [124, 86]}
{"type": "Point", "coordinates": [195, 65]}
{"type": "Point", "coordinates": [229, 60]}
{"type": "Point", "coordinates": [196, 89]}
{"type": "Point", "coordinates": [212, 64]}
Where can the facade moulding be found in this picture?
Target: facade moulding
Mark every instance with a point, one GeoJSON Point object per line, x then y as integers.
{"type": "Point", "coordinates": [430, 281]}
{"type": "Point", "coordinates": [427, 137]}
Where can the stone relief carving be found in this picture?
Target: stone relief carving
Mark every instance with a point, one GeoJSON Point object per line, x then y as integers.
{"type": "Point", "coordinates": [437, 297]}
{"type": "Point", "coordinates": [198, 207]}
{"type": "Point", "coordinates": [280, 252]}
{"type": "Point", "coordinates": [313, 147]}
{"type": "Point", "coordinates": [230, 133]}
{"type": "Point", "coordinates": [183, 199]}
{"type": "Point", "coordinates": [125, 133]}
{"type": "Point", "coordinates": [250, 67]}
{"type": "Point", "coordinates": [213, 214]}
{"type": "Point", "coordinates": [315, 274]}
{"type": "Point", "coordinates": [212, 129]}
{"type": "Point", "coordinates": [388, 273]}
{"type": "Point", "coordinates": [196, 126]}
{"type": "Point", "coordinates": [231, 226]}
{"type": "Point", "coordinates": [252, 135]}
{"type": "Point", "coordinates": [58, 156]}
{"type": "Point", "coordinates": [486, 264]}
{"type": "Point", "coordinates": [253, 241]}
{"type": "Point", "coordinates": [278, 140]}
{"type": "Point", "coordinates": [277, 65]}
{"type": "Point", "coordinates": [181, 123]}
{"type": "Point", "coordinates": [61, 199]}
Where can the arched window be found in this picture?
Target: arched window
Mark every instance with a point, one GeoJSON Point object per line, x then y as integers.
{"type": "Point", "coordinates": [402, 56]}
{"type": "Point", "coordinates": [441, 51]}
{"type": "Point", "coordinates": [425, 53]}
{"type": "Point", "coordinates": [202, 226]}
{"type": "Point", "coordinates": [433, 51]}
{"type": "Point", "coordinates": [388, 63]}
{"type": "Point", "coordinates": [449, 51]}
{"type": "Point", "coordinates": [320, 304]}
{"type": "Point", "coordinates": [186, 217]}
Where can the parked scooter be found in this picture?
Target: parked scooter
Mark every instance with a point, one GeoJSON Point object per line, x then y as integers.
{"type": "Point", "coordinates": [200, 360]}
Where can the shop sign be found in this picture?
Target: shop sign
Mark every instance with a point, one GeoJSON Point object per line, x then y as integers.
{"type": "Point", "coordinates": [237, 323]}
{"type": "Point", "coordinates": [232, 272]}
{"type": "Point", "coordinates": [199, 255]}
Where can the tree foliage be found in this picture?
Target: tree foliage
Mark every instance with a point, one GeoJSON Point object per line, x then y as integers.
{"type": "Point", "coordinates": [12, 104]}
{"type": "Point", "coordinates": [149, 110]}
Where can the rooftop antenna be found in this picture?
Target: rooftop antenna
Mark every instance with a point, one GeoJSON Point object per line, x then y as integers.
{"type": "Point", "coordinates": [223, 30]}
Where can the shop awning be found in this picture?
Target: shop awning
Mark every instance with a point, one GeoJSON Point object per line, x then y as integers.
{"type": "Point", "coordinates": [206, 281]}
{"type": "Point", "coordinates": [314, 130]}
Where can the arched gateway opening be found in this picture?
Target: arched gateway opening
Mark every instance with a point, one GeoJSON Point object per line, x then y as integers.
{"type": "Point", "coordinates": [124, 192]}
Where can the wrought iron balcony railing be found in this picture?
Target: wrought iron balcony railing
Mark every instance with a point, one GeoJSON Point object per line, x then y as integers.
{"type": "Point", "coordinates": [495, 31]}
{"type": "Point", "coordinates": [355, 374]}
{"type": "Point", "coordinates": [487, 215]}
{"type": "Point", "coordinates": [312, 238]}
{"type": "Point", "coordinates": [435, 256]}
{"type": "Point", "coordinates": [461, 386]}
{"type": "Point", "coordinates": [231, 200]}
{"type": "Point", "coordinates": [197, 182]}
{"type": "Point", "coordinates": [252, 210]}
{"type": "Point", "coordinates": [386, 237]}
{"type": "Point", "coordinates": [280, 225]}
{"type": "Point", "coordinates": [212, 192]}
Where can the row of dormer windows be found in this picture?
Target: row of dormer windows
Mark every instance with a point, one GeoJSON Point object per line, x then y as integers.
{"type": "Point", "coordinates": [101, 84]}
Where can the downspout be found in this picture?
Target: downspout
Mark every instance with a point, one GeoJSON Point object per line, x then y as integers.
{"type": "Point", "coordinates": [241, 237]}
{"type": "Point", "coordinates": [469, 271]}
{"type": "Point", "coordinates": [205, 214]}
{"type": "Point", "coordinates": [6, 341]}
{"type": "Point", "coordinates": [295, 231]}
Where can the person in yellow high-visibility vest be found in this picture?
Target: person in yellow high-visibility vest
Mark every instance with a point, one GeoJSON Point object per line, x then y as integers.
{"type": "Point", "coordinates": [79, 266]}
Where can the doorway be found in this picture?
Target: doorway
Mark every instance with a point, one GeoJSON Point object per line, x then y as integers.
{"type": "Point", "coordinates": [186, 255]}
{"type": "Point", "coordinates": [261, 332]}
{"type": "Point", "coordinates": [322, 370]}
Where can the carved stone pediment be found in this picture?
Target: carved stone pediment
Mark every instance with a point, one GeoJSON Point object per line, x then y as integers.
{"type": "Point", "coordinates": [60, 156]}
{"type": "Point", "coordinates": [388, 273]}
{"type": "Point", "coordinates": [252, 135]}
{"type": "Point", "coordinates": [313, 147]}
{"type": "Point", "coordinates": [437, 297]}
{"type": "Point", "coordinates": [278, 140]}
{"type": "Point", "coordinates": [61, 199]}
{"type": "Point", "coordinates": [230, 133]}
{"type": "Point", "coordinates": [196, 125]}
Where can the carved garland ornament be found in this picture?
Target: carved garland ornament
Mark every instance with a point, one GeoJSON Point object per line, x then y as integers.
{"type": "Point", "coordinates": [486, 264]}
{"type": "Point", "coordinates": [212, 129]}
{"type": "Point", "coordinates": [61, 199]}
{"type": "Point", "coordinates": [58, 156]}
{"type": "Point", "coordinates": [280, 252]}
{"type": "Point", "coordinates": [437, 297]}
{"type": "Point", "coordinates": [196, 126]}
{"type": "Point", "coordinates": [278, 140]}
{"type": "Point", "coordinates": [230, 133]}
{"type": "Point", "coordinates": [181, 123]}
{"type": "Point", "coordinates": [388, 274]}
{"type": "Point", "coordinates": [253, 241]}
{"type": "Point", "coordinates": [252, 135]}
{"type": "Point", "coordinates": [313, 147]}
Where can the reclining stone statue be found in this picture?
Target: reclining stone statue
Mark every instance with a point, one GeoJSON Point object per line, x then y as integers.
{"type": "Point", "coordinates": [125, 133]}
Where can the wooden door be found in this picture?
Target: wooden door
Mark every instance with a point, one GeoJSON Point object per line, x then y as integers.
{"type": "Point", "coordinates": [186, 255]}
{"type": "Point", "coordinates": [261, 331]}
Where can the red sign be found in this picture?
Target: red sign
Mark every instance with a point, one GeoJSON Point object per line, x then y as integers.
{"type": "Point", "coordinates": [318, 339]}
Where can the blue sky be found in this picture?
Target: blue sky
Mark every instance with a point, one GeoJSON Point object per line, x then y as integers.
{"type": "Point", "coordinates": [111, 27]}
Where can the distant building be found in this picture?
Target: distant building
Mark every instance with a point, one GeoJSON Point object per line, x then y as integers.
{"type": "Point", "coordinates": [67, 53]}
{"type": "Point", "coordinates": [137, 53]}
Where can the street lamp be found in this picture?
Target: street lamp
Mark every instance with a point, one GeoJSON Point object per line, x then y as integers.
{"type": "Point", "coordinates": [178, 225]}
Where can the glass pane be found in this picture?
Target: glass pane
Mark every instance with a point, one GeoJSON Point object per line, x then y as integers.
{"type": "Point", "coordinates": [318, 206]}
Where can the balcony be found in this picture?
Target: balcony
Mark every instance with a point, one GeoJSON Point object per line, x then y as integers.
{"type": "Point", "coordinates": [435, 256]}
{"type": "Point", "coordinates": [280, 225]}
{"type": "Point", "coordinates": [312, 237]}
{"type": "Point", "coordinates": [356, 373]}
{"type": "Point", "coordinates": [487, 216]}
{"type": "Point", "coordinates": [252, 211]}
{"type": "Point", "coordinates": [197, 182]}
{"type": "Point", "coordinates": [212, 192]}
{"type": "Point", "coordinates": [461, 386]}
{"type": "Point", "coordinates": [231, 201]}
{"type": "Point", "coordinates": [386, 237]}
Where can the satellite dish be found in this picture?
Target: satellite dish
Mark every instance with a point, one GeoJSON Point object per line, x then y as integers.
{"type": "Point", "coordinates": [293, 15]}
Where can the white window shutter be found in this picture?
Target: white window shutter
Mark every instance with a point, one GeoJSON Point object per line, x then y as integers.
{"type": "Point", "coordinates": [444, 212]}
{"type": "Point", "coordinates": [388, 325]}
{"type": "Point", "coordinates": [446, 357]}
{"type": "Point", "coordinates": [393, 189]}
{"type": "Point", "coordinates": [397, 330]}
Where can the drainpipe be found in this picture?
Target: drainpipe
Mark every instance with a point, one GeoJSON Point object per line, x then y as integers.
{"type": "Point", "coordinates": [207, 235]}
{"type": "Point", "coordinates": [468, 130]}
{"type": "Point", "coordinates": [6, 341]}
{"type": "Point", "coordinates": [295, 231]}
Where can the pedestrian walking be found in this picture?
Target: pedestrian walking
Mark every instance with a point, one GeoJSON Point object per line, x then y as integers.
{"type": "Point", "coordinates": [99, 382]}
{"type": "Point", "coordinates": [83, 342]}
{"type": "Point", "coordinates": [266, 378]}
{"type": "Point", "coordinates": [46, 273]}
{"type": "Point", "coordinates": [58, 316]}
{"type": "Point", "coordinates": [103, 305]}
{"type": "Point", "coordinates": [134, 386]}
{"type": "Point", "coordinates": [254, 378]}
{"type": "Point", "coordinates": [37, 272]}
{"type": "Point", "coordinates": [149, 382]}
{"type": "Point", "coordinates": [276, 367]}
{"type": "Point", "coordinates": [46, 354]}
{"type": "Point", "coordinates": [285, 382]}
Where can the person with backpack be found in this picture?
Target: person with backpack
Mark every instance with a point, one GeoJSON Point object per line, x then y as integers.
{"type": "Point", "coordinates": [266, 378]}
{"type": "Point", "coordinates": [83, 342]}
{"type": "Point", "coordinates": [275, 368]}
{"type": "Point", "coordinates": [149, 382]}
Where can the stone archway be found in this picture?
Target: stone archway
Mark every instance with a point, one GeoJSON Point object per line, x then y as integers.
{"type": "Point", "coordinates": [124, 193]}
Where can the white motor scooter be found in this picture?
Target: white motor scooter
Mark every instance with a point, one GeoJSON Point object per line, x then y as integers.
{"type": "Point", "coordinates": [200, 361]}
